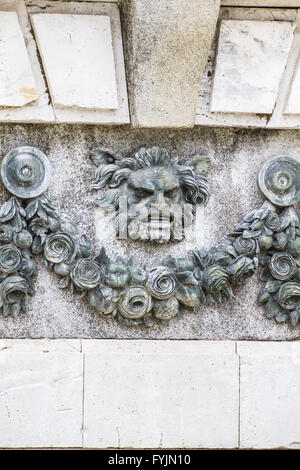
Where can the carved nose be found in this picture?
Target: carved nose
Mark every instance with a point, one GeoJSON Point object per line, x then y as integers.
{"type": "Point", "coordinates": [160, 201]}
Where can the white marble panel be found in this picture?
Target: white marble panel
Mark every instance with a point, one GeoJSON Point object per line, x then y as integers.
{"type": "Point", "coordinates": [261, 3]}
{"type": "Point", "coordinates": [78, 58]}
{"type": "Point", "coordinates": [269, 394]}
{"type": "Point", "coordinates": [250, 62]}
{"type": "Point", "coordinates": [17, 83]}
{"type": "Point", "coordinates": [160, 394]}
{"type": "Point", "coordinates": [41, 387]}
{"type": "Point", "coordinates": [293, 104]}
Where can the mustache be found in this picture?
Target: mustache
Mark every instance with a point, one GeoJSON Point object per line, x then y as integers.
{"type": "Point", "coordinates": [153, 212]}
{"type": "Point", "coordinates": [175, 218]}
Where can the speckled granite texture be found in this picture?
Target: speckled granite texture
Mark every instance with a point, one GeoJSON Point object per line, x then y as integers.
{"type": "Point", "coordinates": [237, 156]}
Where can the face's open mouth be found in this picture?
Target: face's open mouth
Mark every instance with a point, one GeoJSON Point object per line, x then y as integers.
{"type": "Point", "coordinates": [155, 224]}
{"type": "Point", "coordinates": [157, 221]}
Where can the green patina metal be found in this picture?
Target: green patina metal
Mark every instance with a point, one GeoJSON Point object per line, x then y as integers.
{"type": "Point", "coordinates": [279, 181]}
{"type": "Point", "coordinates": [26, 172]}
{"type": "Point", "coordinates": [160, 194]}
{"type": "Point", "coordinates": [137, 295]}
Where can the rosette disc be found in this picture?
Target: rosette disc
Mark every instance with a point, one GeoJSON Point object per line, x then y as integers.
{"type": "Point", "coordinates": [26, 172]}
{"type": "Point", "coordinates": [279, 181]}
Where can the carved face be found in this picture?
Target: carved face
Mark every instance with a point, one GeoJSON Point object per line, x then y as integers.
{"type": "Point", "coordinates": [153, 194]}
{"type": "Point", "coordinates": [154, 199]}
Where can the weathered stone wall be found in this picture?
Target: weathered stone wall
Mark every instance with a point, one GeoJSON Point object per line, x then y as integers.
{"type": "Point", "coordinates": [166, 48]}
{"type": "Point", "coordinates": [149, 394]}
{"type": "Point", "coordinates": [237, 156]}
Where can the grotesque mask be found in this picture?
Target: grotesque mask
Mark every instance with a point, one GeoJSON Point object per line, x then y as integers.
{"type": "Point", "coordinates": [153, 196]}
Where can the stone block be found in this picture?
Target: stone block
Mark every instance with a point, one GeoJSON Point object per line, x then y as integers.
{"type": "Point", "coordinates": [269, 395]}
{"type": "Point", "coordinates": [17, 83]}
{"type": "Point", "coordinates": [41, 393]}
{"type": "Point", "coordinates": [261, 3]}
{"type": "Point", "coordinates": [156, 394]}
{"type": "Point", "coordinates": [167, 44]}
{"type": "Point", "coordinates": [78, 58]}
{"type": "Point", "coordinates": [293, 104]}
{"type": "Point", "coordinates": [250, 62]}
{"type": "Point", "coordinates": [205, 117]}
{"type": "Point", "coordinates": [112, 91]}
{"type": "Point", "coordinates": [38, 108]}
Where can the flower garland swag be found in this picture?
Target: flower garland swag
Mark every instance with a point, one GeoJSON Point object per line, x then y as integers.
{"type": "Point", "coordinates": [135, 295]}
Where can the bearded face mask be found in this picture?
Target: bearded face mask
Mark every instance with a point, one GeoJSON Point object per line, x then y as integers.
{"type": "Point", "coordinates": [154, 197]}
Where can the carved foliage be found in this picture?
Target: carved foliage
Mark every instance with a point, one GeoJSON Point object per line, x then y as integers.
{"type": "Point", "coordinates": [114, 288]}
{"type": "Point", "coordinates": [125, 290]}
{"type": "Point", "coordinates": [16, 264]}
{"type": "Point", "coordinates": [281, 271]}
{"type": "Point", "coordinates": [138, 295]}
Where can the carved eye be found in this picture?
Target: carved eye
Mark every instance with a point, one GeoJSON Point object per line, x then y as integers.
{"type": "Point", "coordinates": [171, 193]}
{"type": "Point", "coordinates": [144, 192]}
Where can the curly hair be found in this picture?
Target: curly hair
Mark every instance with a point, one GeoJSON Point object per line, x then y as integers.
{"type": "Point", "coordinates": [113, 171]}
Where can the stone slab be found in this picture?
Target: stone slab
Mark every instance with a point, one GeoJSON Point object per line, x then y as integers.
{"type": "Point", "coordinates": [41, 387]}
{"type": "Point", "coordinates": [17, 83]}
{"type": "Point", "coordinates": [250, 62]}
{"type": "Point", "coordinates": [167, 44]}
{"type": "Point", "coordinates": [78, 58]}
{"type": "Point", "coordinates": [293, 104]}
{"type": "Point", "coordinates": [278, 120]}
{"type": "Point", "coordinates": [45, 345]}
{"type": "Point", "coordinates": [157, 394]}
{"type": "Point", "coordinates": [261, 3]}
{"type": "Point", "coordinates": [269, 395]}
{"type": "Point", "coordinates": [85, 115]}
{"type": "Point", "coordinates": [145, 394]}
{"type": "Point", "coordinates": [39, 110]}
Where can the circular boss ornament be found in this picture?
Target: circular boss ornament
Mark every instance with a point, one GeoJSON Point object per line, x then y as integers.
{"type": "Point", "coordinates": [26, 172]}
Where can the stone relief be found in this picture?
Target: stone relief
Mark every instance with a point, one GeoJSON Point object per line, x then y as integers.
{"type": "Point", "coordinates": [153, 195]}
{"type": "Point", "coordinates": [30, 225]}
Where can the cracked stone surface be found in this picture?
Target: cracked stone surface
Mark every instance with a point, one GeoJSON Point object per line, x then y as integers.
{"type": "Point", "coordinates": [17, 82]}
{"type": "Point", "coordinates": [79, 26]}
{"type": "Point", "coordinates": [86, 42]}
{"type": "Point", "coordinates": [250, 62]}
